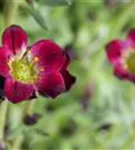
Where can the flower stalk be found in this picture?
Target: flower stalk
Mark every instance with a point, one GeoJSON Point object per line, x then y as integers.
{"type": "Point", "coordinates": [10, 11]}
{"type": "Point", "coordinates": [3, 112]}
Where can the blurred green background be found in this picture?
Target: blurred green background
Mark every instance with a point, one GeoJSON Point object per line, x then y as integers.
{"type": "Point", "coordinates": [99, 111]}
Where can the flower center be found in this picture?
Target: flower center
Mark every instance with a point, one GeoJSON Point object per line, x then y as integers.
{"type": "Point", "coordinates": [130, 62]}
{"type": "Point", "coordinates": [22, 70]}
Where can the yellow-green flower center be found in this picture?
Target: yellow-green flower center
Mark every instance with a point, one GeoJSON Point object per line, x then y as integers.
{"type": "Point", "coordinates": [23, 71]}
{"type": "Point", "coordinates": [130, 62]}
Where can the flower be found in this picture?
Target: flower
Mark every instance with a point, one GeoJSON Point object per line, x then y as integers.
{"type": "Point", "coordinates": [121, 54]}
{"type": "Point", "coordinates": [40, 68]}
{"type": "Point", "coordinates": [87, 95]}
{"type": "Point", "coordinates": [31, 119]}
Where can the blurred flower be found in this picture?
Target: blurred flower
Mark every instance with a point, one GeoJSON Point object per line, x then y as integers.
{"type": "Point", "coordinates": [31, 119]}
{"type": "Point", "coordinates": [70, 51]}
{"type": "Point", "coordinates": [87, 95]}
{"type": "Point", "coordinates": [29, 1]}
{"type": "Point", "coordinates": [110, 3]}
{"type": "Point", "coordinates": [2, 145]}
{"type": "Point", "coordinates": [121, 54]}
{"type": "Point", "coordinates": [41, 67]}
{"type": "Point", "coordinates": [105, 127]}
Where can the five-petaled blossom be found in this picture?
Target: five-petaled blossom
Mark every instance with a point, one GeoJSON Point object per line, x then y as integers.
{"type": "Point", "coordinates": [40, 68]}
{"type": "Point", "coordinates": [121, 54]}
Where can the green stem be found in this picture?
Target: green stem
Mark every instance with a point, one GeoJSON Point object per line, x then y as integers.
{"type": "Point", "coordinates": [10, 11]}
{"type": "Point", "coordinates": [17, 143]}
{"type": "Point", "coordinates": [28, 108]}
{"type": "Point", "coordinates": [3, 112]}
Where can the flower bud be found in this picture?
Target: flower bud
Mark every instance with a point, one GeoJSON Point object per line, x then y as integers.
{"type": "Point", "coordinates": [31, 119]}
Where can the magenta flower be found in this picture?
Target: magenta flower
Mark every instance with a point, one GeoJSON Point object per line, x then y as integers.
{"type": "Point", "coordinates": [121, 54]}
{"type": "Point", "coordinates": [41, 67]}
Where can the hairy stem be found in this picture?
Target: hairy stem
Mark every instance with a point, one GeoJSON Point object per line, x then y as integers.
{"type": "Point", "coordinates": [17, 143]}
{"type": "Point", "coordinates": [3, 112]}
{"type": "Point", "coordinates": [10, 11]}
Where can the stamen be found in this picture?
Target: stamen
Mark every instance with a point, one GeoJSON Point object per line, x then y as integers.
{"type": "Point", "coordinates": [36, 59]}
{"type": "Point", "coordinates": [42, 69]}
{"type": "Point", "coordinates": [128, 60]}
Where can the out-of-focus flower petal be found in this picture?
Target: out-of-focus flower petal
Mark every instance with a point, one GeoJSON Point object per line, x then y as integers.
{"type": "Point", "coordinates": [15, 39]}
{"type": "Point", "coordinates": [71, 52]}
{"type": "Point", "coordinates": [113, 50]}
{"type": "Point", "coordinates": [66, 61]}
{"type": "Point", "coordinates": [16, 91]}
{"type": "Point", "coordinates": [131, 77]}
{"type": "Point", "coordinates": [4, 57]}
{"type": "Point", "coordinates": [120, 72]}
{"type": "Point", "coordinates": [68, 79]}
{"type": "Point", "coordinates": [131, 35]}
{"type": "Point", "coordinates": [51, 85]}
{"type": "Point", "coordinates": [123, 74]}
{"type": "Point", "coordinates": [48, 55]}
{"type": "Point", "coordinates": [31, 119]}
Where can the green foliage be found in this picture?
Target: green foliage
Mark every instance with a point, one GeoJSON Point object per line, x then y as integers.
{"type": "Point", "coordinates": [108, 122]}
{"type": "Point", "coordinates": [56, 2]}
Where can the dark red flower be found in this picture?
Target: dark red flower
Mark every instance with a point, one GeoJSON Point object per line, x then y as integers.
{"type": "Point", "coordinates": [31, 119]}
{"type": "Point", "coordinates": [41, 67]}
{"type": "Point", "coordinates": [121, 54]}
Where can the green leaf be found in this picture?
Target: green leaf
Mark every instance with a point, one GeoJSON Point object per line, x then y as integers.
{"type": "Point", "coordinates": [37, 16]}
{"type": "Point", "coordinates": [57, 2]}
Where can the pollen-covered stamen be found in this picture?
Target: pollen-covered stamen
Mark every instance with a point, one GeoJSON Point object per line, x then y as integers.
{"type": "Point", "coordinates": [21, 70]}
{"type": "Point", "coordinates": [131, 63]}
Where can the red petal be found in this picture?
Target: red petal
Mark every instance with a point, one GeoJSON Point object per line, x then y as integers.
{"type": "Point", "coordinates": [113, 50]}
{"type": "Point", "coordinates": [16, 91]}
{"type": "Point", "coordinates": [66, 61]}
{"type": "Point", "coordinates": [120, 72]}
{"type": "Point", "coordinates": [49, 54]}
{"type": "Point", "coordinates": [68, 79]}
{"type": "Point", "coordinates": [4, 57]}
{"type": "Point", "coordinates": [131, 77]}
{"type": "Point", "coordinates": [15, 38]}
{"type": "Point", "coordinates": [51, 85]}
{"type": "Point", "coordinates": [131, 35]}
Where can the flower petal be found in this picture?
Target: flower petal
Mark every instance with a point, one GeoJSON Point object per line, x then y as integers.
{"type": "Point", "coordinates": [113, 50]}
{"type": "Point", "coordinates": [48, 54]}
{"type": "Point", "coordinates": [131, 35]}
{"type": "Point", "coordinates": [16, 91]}
{"type": "Point", "coordinates": [131, 77]}
{"type": "Point", "coordinates": [120, 72]}
{"type": "Point", "coordinates": [4, 57]}
{"type": "Point", "coordinates": [51, 85]}
{"type": "Point", "coordinates": [15, 38]}
{"type": "Point", "coordinates": [66, 61]}
{"type": "Point", "coordinates": [68, 79]}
